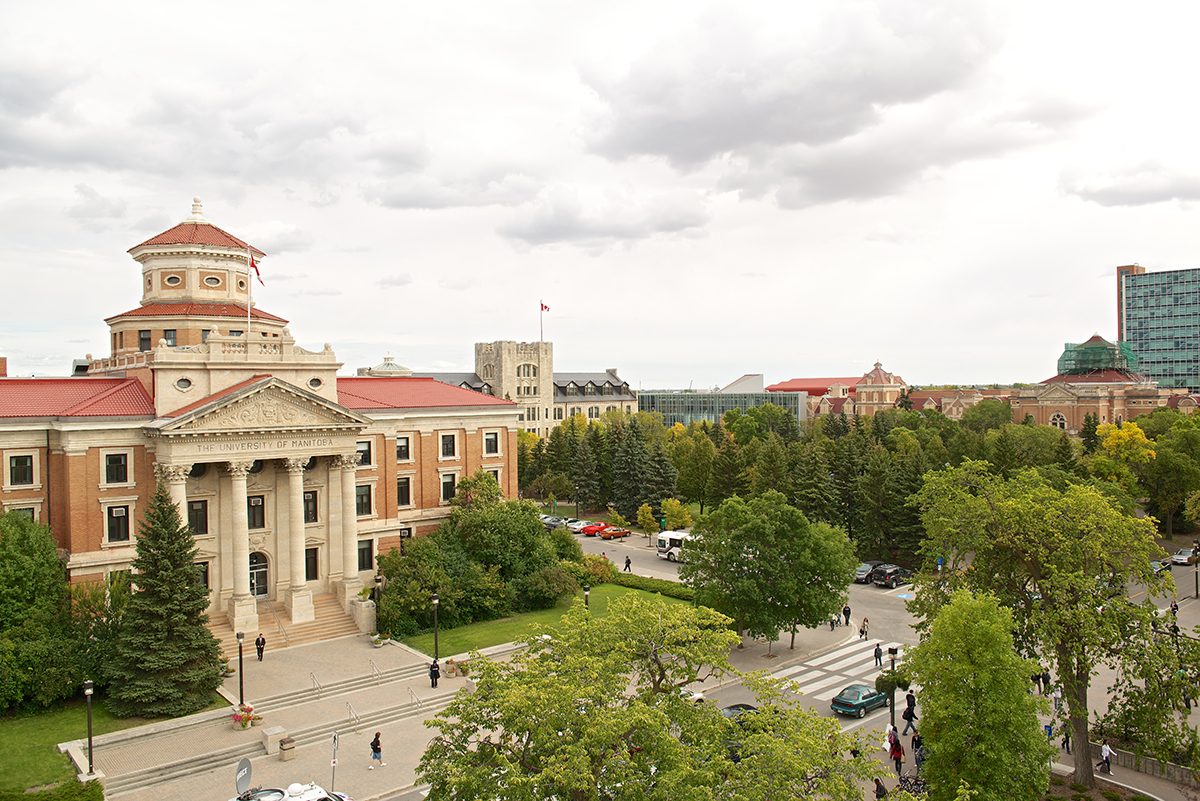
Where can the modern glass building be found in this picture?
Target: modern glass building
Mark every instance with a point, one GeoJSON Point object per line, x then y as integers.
{"type": "Point", "coordinates": [1158, 315]}
{"type": "Point", "coordinates": [686, 406]}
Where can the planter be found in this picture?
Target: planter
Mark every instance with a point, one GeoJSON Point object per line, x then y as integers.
{"type": "Point", "coordinates": [451, 668]}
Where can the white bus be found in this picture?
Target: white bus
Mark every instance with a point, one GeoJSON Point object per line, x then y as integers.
{"type": "Point", "coordinates": [670, 545]}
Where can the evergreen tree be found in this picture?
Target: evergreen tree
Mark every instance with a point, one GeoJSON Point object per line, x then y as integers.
{"type": "Point", "coordinates": [1028, 421]}
{"type": "Point", "coordinates": [523, 463]}
{"type": "Point", "coordinates": [717, 433]}
{"type": "Point", "coordinates": [630, 468]}
{"type": "Point", "coordinates": [813, 484]}
{"type": "Point", "coordinates": [904, 482]}
{"type": "Point", "coordinates": [1088, 433]}
{"type": "Point", "coordinates": [846, 467]}
{"type": "Point", "coordinates": [727, 477]}
{"type": "Point", "coordinates": [694, 457]}
{"type": "Point", "coordinates": [661, 478]}
{"type": "Point", "coordinates": [905, 399]}
{"type": "Point", "coordinates": [877, 504]}
{"type": "Point", "coordinates": [166, 661]}
{"type": "Point", "coordinates": [586, 478]}
{"type": "Point", "coordinates": [770, 470]}
{"type": "Point", "coordinates": [598, 443]}
{"type": "Point", "coordinates": [836, 426]}
{"type": "Point", "coordinates": [1064, 453]}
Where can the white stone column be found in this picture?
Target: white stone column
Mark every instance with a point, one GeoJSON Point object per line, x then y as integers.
{"type": "Point", "coordinates": [175, 477]}
{"type": "Point", "coordinates": [299, 598]}
{"type": "Point", "coordinates": [243, 611]}
{"type": "Point", "coordinates": [350, 582]}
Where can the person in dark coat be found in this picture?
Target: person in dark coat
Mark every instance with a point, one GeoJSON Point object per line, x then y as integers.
{"type": "Point", "coordinates": [1045, 682]}
{"type": "Point", "coordinates": [376, 753]}
{"type": "Point", "coordinates": [435, 673]}
{"type": "Point", "coordinates": [880, 790]}
{"type": "Point", "coordinates": [846, 613]}
{"type": "Point", "coordinates": [897, 755]}
{"type": "Point", "coordinates": [878, 655]}
{"type": "Point", "coordinates": [260, 645]}
{"type": "Point", "coordinates": [910, 719]}
{"type": "Point", "coordinates": [910, 700]}
{"type": "Point", "coordinates": [628, 565]}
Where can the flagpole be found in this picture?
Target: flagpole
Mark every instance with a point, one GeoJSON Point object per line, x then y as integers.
{"type": "Point", "coordinates": [541, 314]}
{"type": "Point", "coordinates": [249, 299]}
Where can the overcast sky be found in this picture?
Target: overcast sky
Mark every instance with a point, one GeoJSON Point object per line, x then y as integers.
{"type": "Point", "coordinates": [697, 190]}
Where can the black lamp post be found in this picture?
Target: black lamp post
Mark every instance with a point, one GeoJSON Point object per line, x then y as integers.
{"type": "Point", "coordinates": [892, 651]}
{"type": "Point", "coordinates": [88, 689]}
{"type": "Point", "coordinates": [378, 587]}
{"type": "Point", "coordinates": [435, 627]}
{"type": "Point", "coordinates": [241, 673]}
{"type": "Point", "coordinates": [587, 592]}
{"type": "Point", "coordinates": [1196, 566]}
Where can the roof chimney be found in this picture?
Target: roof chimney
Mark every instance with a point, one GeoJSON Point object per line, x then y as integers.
{"type": "Point", "coordinates": [3, 367]}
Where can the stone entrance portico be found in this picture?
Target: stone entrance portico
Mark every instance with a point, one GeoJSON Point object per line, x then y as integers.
{"type": "Point", "coordinates": [268, 442]}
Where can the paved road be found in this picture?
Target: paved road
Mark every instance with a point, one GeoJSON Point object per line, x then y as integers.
{"type": "Point", "coordinates": [645, 559]}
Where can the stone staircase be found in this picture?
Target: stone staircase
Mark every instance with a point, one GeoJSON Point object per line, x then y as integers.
{"type": "Point", "coordinates": [330, 623]}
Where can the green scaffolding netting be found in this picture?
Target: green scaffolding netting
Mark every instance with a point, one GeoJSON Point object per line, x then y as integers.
{"type": "Point", "coordinates": [1096, 354]}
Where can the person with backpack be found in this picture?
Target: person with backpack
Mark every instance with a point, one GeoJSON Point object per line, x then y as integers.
{"type": "Point", "coordinates": [376, 753]}
{"type": "Point", "coordinates": [897, 756]}
{"type": "Point", "coordinates": [910, 718]}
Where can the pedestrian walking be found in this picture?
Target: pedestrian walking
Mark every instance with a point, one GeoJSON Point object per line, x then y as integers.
{"type": "Point", "coordinates": [1175, 608]}
{"type": "Point", "coordinates": [1057, 698]}
{"type": "Point", "coordinates": [1036, 678]}
{"type": "Point", "coordinates": [864, 629]}
{"type": "Point", "coordinates": [833, 621]}
{"type": "Point", "coordinates": [892, 738]}
{"type": "Point", "coordinates": [897, 756]}
{"type": "Point", "coordinates": [846, 613]}
{"type": "Point", "coordinates": [910, 719]}
{"type": "Point", "coordinates": [910, 700]}
{"type": "Point", "coordinates": [435, 673]}
{"type": "Point", "coordinates": [1045, 682]}
{"type": "Point", "coordinates": [376, 753]}
{"type": "Point", "coordinates": [1065, 728]}
{"type": "Point", "coordinates": [880, 790]}
{"type": "Point", "coordinates": [918, 750]}
{"type": "Point", "coordinates": [260, 645]}
{"type": "Point", "coordinates": [628, 565]}
{"type": "Point", "coordinates": [1105, 762]}
{"type": "Point", "coordinates": [878, 655]}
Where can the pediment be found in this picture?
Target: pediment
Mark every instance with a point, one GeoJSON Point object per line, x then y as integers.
{"type": "Point", "coordinates": [271, 405]}
{"type": "Point", "coordinates": [1056, 392]}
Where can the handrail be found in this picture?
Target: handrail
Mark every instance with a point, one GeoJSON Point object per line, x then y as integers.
{"type": "Point", "coordinates": [282, 630]}
{"type": "Point", "coordinates": [353, 716]}
{"type": "Point", "coordinates": [376, 672]}
{"type": "Point", "coordinates": [316, 684]}
{"type": "Point", "coordinates": [414, 697]}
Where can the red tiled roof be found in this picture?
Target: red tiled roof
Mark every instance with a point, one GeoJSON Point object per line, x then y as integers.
{"type": "Point", "coordinates": [813, 386]}
{"type": "Point", "coordinates": [1108, 376]}
{"type": "Point", "coordinates": [196, 310]}
{"type": "Point", "coordinates": [74, 397]}
{"type": "Point", "coordinates": [216, 396]}
{"type": "Point", "coordinates": [197, 233]}
{"type": "Point", "coordinates": [387, 392]}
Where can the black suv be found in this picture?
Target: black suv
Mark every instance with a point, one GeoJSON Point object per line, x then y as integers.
{"type": "Point", "coordinates": [891, 576]}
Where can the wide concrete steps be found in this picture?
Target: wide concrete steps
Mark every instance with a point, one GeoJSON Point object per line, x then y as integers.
{"type": "Point", "coordinates": [224, 757]}
{"type": "Point", "coordinates": [331, 622]}
{"type": "Point", "coordinates": [283, 700]}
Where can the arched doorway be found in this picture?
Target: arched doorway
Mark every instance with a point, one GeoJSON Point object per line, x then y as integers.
{"type": "Point", "coordinates": [259, 586]}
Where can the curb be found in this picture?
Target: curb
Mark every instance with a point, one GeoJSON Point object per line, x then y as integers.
{"type": "Point", "coordinates": [409, 788]}
{"type": "Point", "coordinates": [1067, 770]}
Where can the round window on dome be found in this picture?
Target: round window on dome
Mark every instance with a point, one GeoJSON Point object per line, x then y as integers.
{"type": "Point", "coordinates": [212, 280]}
{"type": "Point", "coordinates": [315, 383]}
{"type": "Point", "coordinates": [174, 280]}
{"type": "Point", "coordinates": [183, 384]}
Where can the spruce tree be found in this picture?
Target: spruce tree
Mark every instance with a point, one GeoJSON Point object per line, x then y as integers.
{"type": "Point", "coordinates": [813, 485]}
{"type": "Point", "coordinates": [1088, 434]}
{"type": "Point", "coordinates": [769, 471]}
{"type": "Point", "coordinates": [717, 433]}
{"type": "Point", "coordinates": [661, 478]}
{"type": "Point", "coordinates": [727, 477]}
{"type": "Point", "coordinates": [586, 478]}
{"type": "Point", "coordinates": [846, 466]}
{"type": "Point", "coordinates": [905, 481]}
{"type": "Point", "coordinates": [1064, 453]}
{"type": "Point", "coordinates": [598, 442]}
{"type": "Point", "coordinates": [629, 470]}
{"type": "Point", "coordinates": [166, 661]}
{"type": "Point", "coordinates": [876, 504]}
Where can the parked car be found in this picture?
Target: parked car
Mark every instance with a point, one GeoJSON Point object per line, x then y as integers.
{"type": "Point", "coordinates": [734, 712]}
{"type": "Point", "coordinates": [857, 700]}
{"type": "Point", "coordinates": [294, 792]}
{"type": "Point", "coordinates": [578, 525]}
{"type": "Point", "coordinates": [1159, 565]}
{"type": "Point", "coordinates": [593, 529]}
{"type": "Point", "coordinates": [613, 532]}
{"type": "Point", "coordinates": [891, 576]}
{"type": "Point", "coordinates": [863, 573]}
{"type": "Point", "coordinates": [1183, 557]}
{"type": "Point", "coordinates": [552, 523]}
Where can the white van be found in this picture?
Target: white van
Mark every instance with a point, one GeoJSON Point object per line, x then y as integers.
{"type": "Point", "coordinates": [670, 545]}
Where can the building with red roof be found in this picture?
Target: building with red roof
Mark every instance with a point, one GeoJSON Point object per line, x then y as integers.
{"type": "Point", "coordinates": [292, 479]}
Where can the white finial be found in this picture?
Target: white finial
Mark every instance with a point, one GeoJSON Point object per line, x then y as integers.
{"type": "Point", "coordinates": [197, 211]}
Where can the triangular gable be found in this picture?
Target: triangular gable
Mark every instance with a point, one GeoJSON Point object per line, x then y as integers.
{"type": "Point", "coordinates": [1056, 392]}
{"type": "Point", "coordinates": [266, 405]}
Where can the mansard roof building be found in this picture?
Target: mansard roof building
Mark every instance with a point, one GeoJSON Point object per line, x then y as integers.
{"type": "Point", "coordinates": [292, 478]}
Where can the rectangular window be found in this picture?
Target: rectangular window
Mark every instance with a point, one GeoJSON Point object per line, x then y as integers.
{"type": "Point", "coordinates": [197, 512]}
{"type": "Point", "coordinates": [366, 554]}
{"type": "Point", "coordinates": [204, 332]}
{"type": "Point", "coordinates": [236, 332]}
{"type": "Point", "coordinates": [20, 470]}
{"type": "Point", "coordinates": [495, 474]}
{"type": "Point", "coordinates": [169, 336]}
{"type": "Point", "coordinates": [402, 451]}
{"type": "Point", "coordinates": [404, 491]}
{"type": "Point", "coordinates": [256, 512]}
{"type": "Point", "coordinates": [362, 500]}
{"type": "Point", "coordinates": [491, 443]}
{"type": "Point", "coordinates": [558, 413]}
{"type": "Point", "coordinates": [118, 523]}
{"type": "Point", "coordinates": [120, 339]}
{"type": "Point", "coordinates": [143, 340]}
{"type": "Point", "coordinates": [364, 452]}
{"type": "Point", "coordinates": [202, 573]}
{"type": "Point", "coordinates": [310, 564]}
{"type": "Point", "coordinates": [447, 487]}
{"type": "Point", "coordinates": [116, 468]}
{"type": "Point", "coordinates": [310, 506]}
{"type": "Point", "coordinates": [25, 511]}
{"type": "Point", "coordinates": [449, 446]}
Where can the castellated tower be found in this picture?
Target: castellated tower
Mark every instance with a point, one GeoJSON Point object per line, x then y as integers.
{"type": "Point", "coordinates": [522, 372]}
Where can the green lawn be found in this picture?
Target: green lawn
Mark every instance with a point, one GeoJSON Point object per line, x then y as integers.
{"type": "Point", "coordinates": [28, 756]}
{"type": "Point", "coordinates": [507, 629]}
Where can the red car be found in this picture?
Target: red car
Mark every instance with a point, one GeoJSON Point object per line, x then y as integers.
{"type": "Point", "coordinates": [612, 533]}
{"type": "Point", "coordinates": [593, 529]}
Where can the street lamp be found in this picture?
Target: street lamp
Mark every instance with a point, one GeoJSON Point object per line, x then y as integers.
{"type": "Point", "coordinates": [378, 588]}
{"type": "Point", "coordinates": [241, 673]}
{"type": "Point", "coordinates": [892, 651]}
{"type": "Point", "coordinates": [88, 689]}
{"type": "Point", "coordinates": [435, 627]}
{"type": "Point", "coordinates": [587, 592]}
{"type": "Point", "coordinates": [1196, 566]}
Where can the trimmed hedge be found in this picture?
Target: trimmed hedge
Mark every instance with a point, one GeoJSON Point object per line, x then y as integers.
{"type": "Point", "coordinates": [662, 586]}
{"type": "Point", "coordinates": [67, 791]}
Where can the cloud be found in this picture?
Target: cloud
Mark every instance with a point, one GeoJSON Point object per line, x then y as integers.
{"type": "Point", "coordinates": [395, 280]}
{"type": "Point", "coordinates": [429, 192]}
{"type": "Point", "coordinates": [561, 217]}
{"type": "Point", "coordinates": [723, 89]}
{"type": "Point", "coordinates": [457, 283]}
{"type": "Point", "coordinates": [1139, 185]}
{"type": "Point", "coordinates": [151, 223]}
{"type": "Point", "coordinates": [275, 237]}
{"type": "Point", "coordinates": [91, 206]}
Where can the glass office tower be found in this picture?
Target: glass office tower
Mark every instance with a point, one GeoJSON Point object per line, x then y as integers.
{"type": "Point", "coordinates": [1159, 316]}
{"type": "Point", "coordinates": [685, 406]}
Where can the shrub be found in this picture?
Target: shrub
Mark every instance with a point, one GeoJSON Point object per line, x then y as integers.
{"type": "Point", "coordinates": [662, 586]}
{"type": "Point", "coordinates": [543, 588]}
{"type": "Point", "coordinates": [565, 544]}
{"type": "Point", "coordinates": [1111, 795]}
{"type": "Point", "coordinates": [599, 569]}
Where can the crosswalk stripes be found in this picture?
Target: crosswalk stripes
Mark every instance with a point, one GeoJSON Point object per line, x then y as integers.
{"type": "Point", "coordinates": [823, 677]}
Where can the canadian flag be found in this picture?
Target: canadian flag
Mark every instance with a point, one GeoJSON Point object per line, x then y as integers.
{"type": "Point", "coordinates": [545, 307]}
{"type": "Point", "coordinates": [254, 266]}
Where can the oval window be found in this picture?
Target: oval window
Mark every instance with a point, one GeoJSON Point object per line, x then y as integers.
{"type": "Point", "coordinates": [212, 280]}
{"type": "Point", "coordinates": [241, 284]}
{"type": "Point", "coordinates": [198, 470]}
{"type": "Point", "coordinates": [174, 280]}
{"type": "Point", "coordinates": [315, 383]}
{"type": "Point", "coordinates": [184, 384]}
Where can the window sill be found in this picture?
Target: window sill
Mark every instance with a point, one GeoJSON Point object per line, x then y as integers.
{"type": "Point", "coordinates": [126, 485]}
{"type": "Point", "coordinates": [107, 544]}
{"type": "Point", "coordinates": [20, 487]}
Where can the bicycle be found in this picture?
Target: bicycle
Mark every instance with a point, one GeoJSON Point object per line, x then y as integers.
{"type": "Point", "coordinates": [913, 783]}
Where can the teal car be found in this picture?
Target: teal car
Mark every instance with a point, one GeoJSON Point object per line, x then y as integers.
{"type": "Point", "coordinates": [858, 700]}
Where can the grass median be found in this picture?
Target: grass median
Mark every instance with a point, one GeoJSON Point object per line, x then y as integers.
{"type": "Point", "coordinates": [507, 629]}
